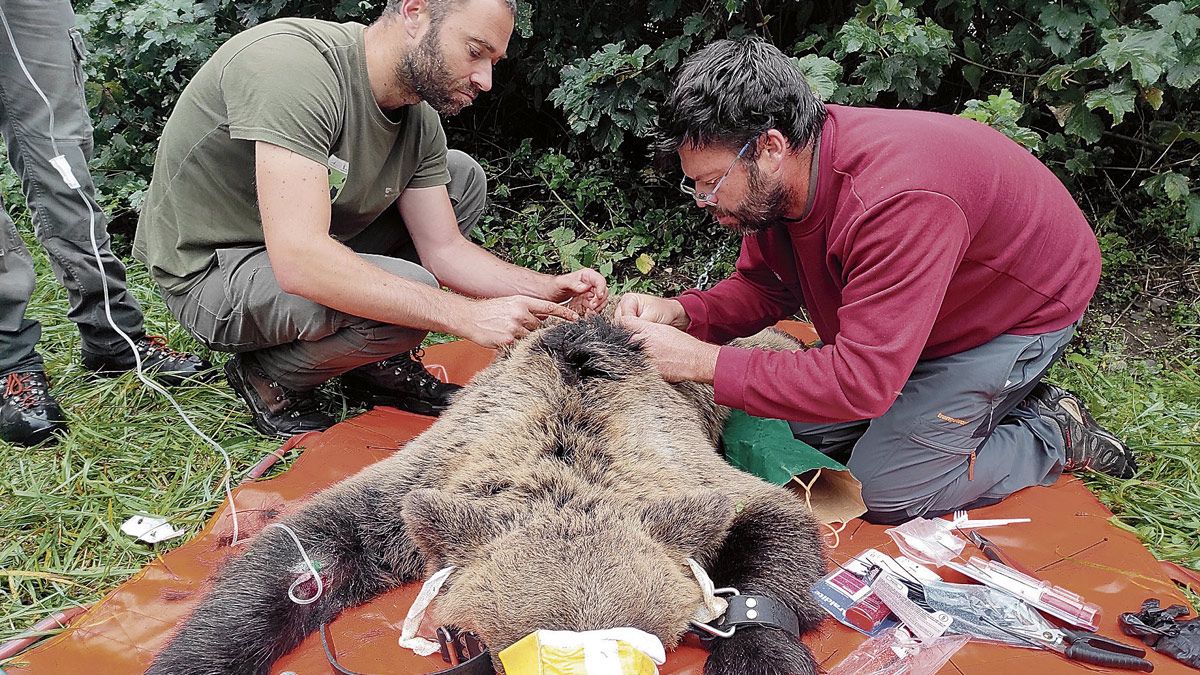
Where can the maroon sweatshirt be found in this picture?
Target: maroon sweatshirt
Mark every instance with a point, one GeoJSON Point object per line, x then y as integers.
{"type": "Point", "coordinates": [929, 235]}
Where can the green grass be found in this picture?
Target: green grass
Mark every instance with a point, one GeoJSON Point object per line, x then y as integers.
{"type": "Point", "coordinates": [1155, 407]}
{"type": "Point", "coordinates": [128, 453]}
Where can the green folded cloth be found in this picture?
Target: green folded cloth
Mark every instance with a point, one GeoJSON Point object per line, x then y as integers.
{"type": "Point", "coordinates": [767, 449]}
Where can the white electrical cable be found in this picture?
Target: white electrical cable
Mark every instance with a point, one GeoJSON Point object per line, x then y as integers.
{"type": "Point", "coordinates": [59, 162]}
{"type": "Point", "coordinates": [311, 568]}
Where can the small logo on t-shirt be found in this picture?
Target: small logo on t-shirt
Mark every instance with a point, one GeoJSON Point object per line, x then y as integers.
{"type": "Point", "coordinates": [338, 170]}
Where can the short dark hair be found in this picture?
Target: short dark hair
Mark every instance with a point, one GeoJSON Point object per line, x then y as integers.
{"type": "Point", "coordinates": [438, 9]}
{"type": "Point", "coordinates": [733, 90]}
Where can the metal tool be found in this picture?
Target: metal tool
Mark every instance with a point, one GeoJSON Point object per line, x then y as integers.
{"type": "Point", "coordinates": [1084, 647]}
{"type": "Point", "coordinates": [993, 552]}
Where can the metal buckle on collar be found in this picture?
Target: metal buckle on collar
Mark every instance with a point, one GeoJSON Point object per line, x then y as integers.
{"type": "Point", "coordinates": [708, 630]}
{"type": "Point", "coordinates": [749, 610]}
{"type": "Point", "coordinates": [458, 646]}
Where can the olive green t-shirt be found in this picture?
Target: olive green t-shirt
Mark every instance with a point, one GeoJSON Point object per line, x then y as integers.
{"type": "Point", "coordinates": [300, 84]}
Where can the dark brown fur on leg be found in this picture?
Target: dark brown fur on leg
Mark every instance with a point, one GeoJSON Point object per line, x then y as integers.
{"type": "Point", "coordinates": [353, 532]}
{"type": "Point", "coordinates": [760, 651]}
{"type": "Point", "coordinates": [774, 549]}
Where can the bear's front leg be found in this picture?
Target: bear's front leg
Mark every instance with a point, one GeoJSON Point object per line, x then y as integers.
{"type": "Point", "coordinates": [760, 651]}
{"type": "Point", "coordinates": [355, 536]}
{"type": "Point", "coordinates": [773, 549]}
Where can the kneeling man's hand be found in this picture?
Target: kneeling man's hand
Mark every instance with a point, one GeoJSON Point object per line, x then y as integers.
{"type": "Point", "coordinates": [678, 356]}
{"type": "Point", "coordinates": [651, 308]}
{"type": "Point", "coordinates": [585, 288]}
{"type": "Point", "coordinates": [500, 321]}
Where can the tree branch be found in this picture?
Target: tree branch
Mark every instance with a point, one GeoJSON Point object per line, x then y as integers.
{"type": "Point", "coordinates": [960, 57]}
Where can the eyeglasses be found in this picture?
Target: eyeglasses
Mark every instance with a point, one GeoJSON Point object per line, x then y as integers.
{"type": "Point", "coordinates": [707, 198]}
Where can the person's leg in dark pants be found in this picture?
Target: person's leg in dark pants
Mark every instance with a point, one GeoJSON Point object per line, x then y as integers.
{"type": "Point", "coordinates": [43, 118]}
{"type": "Point", "coordinates": [64, 217]}
{"type": "Point", "coordinates": [28, 413]}
{"type": "Point", "coordinates": [958, 436]}
{"type": "Point", "coordinates": [288, 345]}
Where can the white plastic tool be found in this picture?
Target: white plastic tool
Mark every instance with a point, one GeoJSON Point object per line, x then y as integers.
{"type": "Point", "coordinates": [961, 520]}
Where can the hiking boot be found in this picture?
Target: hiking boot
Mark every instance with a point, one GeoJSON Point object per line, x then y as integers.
{"type": "Point", "coordinates": [1089, 445]}
{"type": "Point", "coordinates": [401, 382]}
{"type": "Point", "coordinates": [170, 365]}
{"type": "Point", "coordinates": [277, 410]}
{"type": "Point", "coordinates": [28, 413]}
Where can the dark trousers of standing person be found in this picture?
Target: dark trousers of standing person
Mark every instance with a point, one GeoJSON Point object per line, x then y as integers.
{"type": "Point", "coordinates": [53, 52]}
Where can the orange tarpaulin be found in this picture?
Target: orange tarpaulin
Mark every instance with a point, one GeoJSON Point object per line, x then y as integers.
{"type": "Point", "coordinates": [1070, 543]}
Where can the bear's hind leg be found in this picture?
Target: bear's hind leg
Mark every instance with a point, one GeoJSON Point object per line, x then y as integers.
{"type": "Point", "coordinates": [773, 548]}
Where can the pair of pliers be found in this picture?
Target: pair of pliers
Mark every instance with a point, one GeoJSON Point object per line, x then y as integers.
{"type": "Point", "coordinates": [1091, 648]}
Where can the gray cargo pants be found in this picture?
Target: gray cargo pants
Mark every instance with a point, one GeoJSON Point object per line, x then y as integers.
{"type": "Point", "coordinates": [52, 49]}
{"type": "Point", "coordinates": [237, 306]}
{"type": "Point", "coordinates": [959, 436]}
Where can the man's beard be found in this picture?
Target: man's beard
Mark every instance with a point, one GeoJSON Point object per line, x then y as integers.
{"type": "Point", "coordinates": [424, 68]}
{"type": "Point", "coordinates": [762, 209]}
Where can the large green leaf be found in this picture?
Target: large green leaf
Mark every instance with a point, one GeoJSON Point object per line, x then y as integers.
{"type": "Point", "coordinates": [1185, 72]}
{"type": "Point", "coordinates": [1118, 99]}
{"type": "Point", "coordinates": [1175, 18]}
{"type": "Point", "coordinates": [1146, 52]}
{"type": "Point", "coordinates": [821, 73]}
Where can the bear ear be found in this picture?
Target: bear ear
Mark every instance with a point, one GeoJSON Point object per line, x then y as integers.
{"type": "Point", "coordinates": [444, 524]}
{"type": "Point", "coordinates": [690, 522]}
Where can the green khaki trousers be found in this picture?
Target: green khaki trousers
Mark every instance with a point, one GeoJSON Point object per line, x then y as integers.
{"type": "Point", "coordinates": [238, 306]}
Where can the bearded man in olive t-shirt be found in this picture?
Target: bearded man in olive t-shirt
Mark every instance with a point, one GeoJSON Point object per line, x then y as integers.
{"type": "Point", "coordinates": [305, 211]}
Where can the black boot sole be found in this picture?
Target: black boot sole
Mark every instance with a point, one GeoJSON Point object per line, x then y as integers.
{"type": "Point", "coordinates": [373, 397]}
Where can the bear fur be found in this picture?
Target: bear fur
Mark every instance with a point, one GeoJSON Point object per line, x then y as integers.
{"type": "Point", "coordinates": [568, 484]}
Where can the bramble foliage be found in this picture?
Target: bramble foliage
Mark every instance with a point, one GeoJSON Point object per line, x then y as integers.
{"type": "Point", "coordinates": [1104, 92]}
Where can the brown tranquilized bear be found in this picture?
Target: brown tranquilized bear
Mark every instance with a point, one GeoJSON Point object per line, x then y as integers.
{"type": "Point", "coordinates": [568, 483]}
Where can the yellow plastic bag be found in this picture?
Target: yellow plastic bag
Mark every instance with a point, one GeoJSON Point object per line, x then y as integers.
{"type": "Point", "coordinates": [564, 653]}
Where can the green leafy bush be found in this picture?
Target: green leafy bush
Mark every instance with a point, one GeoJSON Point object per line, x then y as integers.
{"type": "Point", "coordinates": [1103, 92]}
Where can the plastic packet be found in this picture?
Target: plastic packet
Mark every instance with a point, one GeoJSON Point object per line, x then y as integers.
{"type": "Point", "coordinates": [1053, 600]}
{"type": "Point", "coordinates": [927, 541]}
{"type": "Point", "coordinates": [616, 651]}
{"type": "Point", "coordinates": [895, 651]}
{"type": "Point", "coordinates": [978, 610]}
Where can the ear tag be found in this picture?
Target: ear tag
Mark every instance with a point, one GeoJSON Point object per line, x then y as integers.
{"type": "Point", "coordinates": [412, 621]}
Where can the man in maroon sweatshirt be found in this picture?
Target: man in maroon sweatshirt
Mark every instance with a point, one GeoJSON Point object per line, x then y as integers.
{"type": "Point", "coordinates": [944, 267]}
